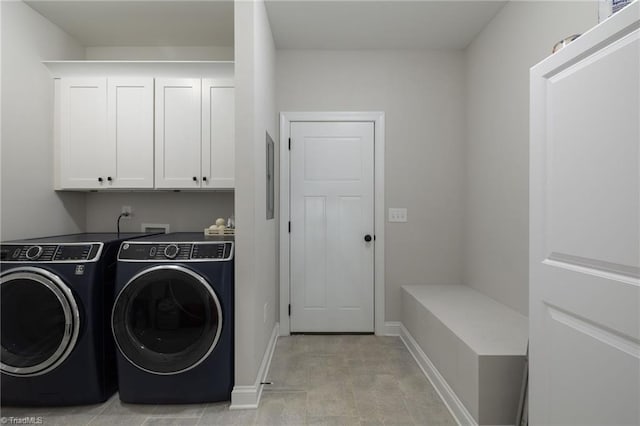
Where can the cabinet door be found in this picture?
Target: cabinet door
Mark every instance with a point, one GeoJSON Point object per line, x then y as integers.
{"type": "Point", "coordinates": [86, 156]}
{"type": "Point", "coordinates": [178, 139]}
{"type": "Point", "coordinates": [130, 123]}
{"type": "Point", "coordinates": [218, 145]}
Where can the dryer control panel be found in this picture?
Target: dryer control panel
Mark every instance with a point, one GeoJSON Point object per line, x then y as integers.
{"type": "Point", "coordinates": [141, 251]}
{"type": "Point", "coordinates": [56, 253]}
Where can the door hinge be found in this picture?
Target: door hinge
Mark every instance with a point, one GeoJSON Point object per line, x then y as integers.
{"type": "Point", "coordinates": [289, 309]}
{"type": "Point", "coordinates": [289, 144]}
{"type": "Point", "coordinates": [289, 226]}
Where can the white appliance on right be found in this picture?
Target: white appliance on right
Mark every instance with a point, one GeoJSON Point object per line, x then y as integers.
{"type": "Point", "coordinates": [585, 229]}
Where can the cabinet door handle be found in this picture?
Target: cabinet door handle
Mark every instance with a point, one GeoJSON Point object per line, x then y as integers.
{"type": "Point", "coordinates": [100, 179]}
{"type": "Point", "coordinates": [109, 178]}
{"type": "Point", "coordinates": [195, 179]}
{"type": "Point", "coordinates": [204, 178]}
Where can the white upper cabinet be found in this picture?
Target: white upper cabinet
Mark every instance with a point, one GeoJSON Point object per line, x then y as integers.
{"type": "Point", "coordinates": [194, 134]}
{"type": "Point", "coordinates": [105, 133]}
{"type": "Point", "coordinates": [130, 122]}
{"type": "Point", "coordinates": [218, 134]}
{"type": "Point", "coordinates": [85, 153]}
{"type": "Point", "coordinates": [141, 125]}
{"type": "Point", "coordinates": [178, 138]}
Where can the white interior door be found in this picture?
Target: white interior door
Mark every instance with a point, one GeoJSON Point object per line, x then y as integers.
{"type": "Point", "coordinates": [178, 137]}
{"type": "Point", "coordinates": [130, 123]}
{"type": "Point", "coordinates": [332, 210]}
{"type": "Point", "coordinates": [585, 239]}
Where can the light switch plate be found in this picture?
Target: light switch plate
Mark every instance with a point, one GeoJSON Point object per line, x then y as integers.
{"type": "Point", "coordinates": [397, 215]}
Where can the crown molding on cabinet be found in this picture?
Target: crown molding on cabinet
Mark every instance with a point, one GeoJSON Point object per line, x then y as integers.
{"type": "Point", "coordinates": [182, 69]}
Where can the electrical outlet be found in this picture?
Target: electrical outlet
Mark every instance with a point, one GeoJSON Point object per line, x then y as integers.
{"type": "Point", "coordinates": [127, 210]}
{"type": "Point", "coordinates": [266, 307]}
{"type": "Point", "coordinates": [397, 215]}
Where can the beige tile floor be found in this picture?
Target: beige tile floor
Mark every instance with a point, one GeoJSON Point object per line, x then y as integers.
{"type": "Point", "coordinates": [317, 380]}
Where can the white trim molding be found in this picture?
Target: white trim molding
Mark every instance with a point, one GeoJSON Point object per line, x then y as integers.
{"type": "Point", "coordinates": [392, 328]}
{"type": "Point", "coordinates": [377, 118]}
{"type": "Point", "coordinates": [451, 400]}
{"type": "Point", "coordinates": [248, 397]}
{"type": "Point", "coordinates": [179, 69]}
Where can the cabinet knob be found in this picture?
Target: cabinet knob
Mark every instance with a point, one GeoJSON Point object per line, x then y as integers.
{"type": "Point", "coordinates": [109, 178]}
{"type": "Point", "coordinates": [100, 179]}
{"type": "Point", "coordinates": [195, 179]}
{"type": "Point", "coordinates": [204, 178]}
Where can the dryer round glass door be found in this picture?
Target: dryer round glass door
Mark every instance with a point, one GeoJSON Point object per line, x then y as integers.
{"type": "Point", "coordinates": [166, 320]}
{"type": "Point", "coordinates": [40, 321]}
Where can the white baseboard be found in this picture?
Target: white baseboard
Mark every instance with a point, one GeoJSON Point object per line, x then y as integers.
{"type": "Point", "coordinates": [392, 328]}
{"type": "Point", "coordinates": [451, 400]}
{"type": "Point", "coordinates": [245, 397]}
{"type": "Point", "coordinates": [248, 397]}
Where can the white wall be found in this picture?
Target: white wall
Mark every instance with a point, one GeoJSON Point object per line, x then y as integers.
{"type": "Point", "coordinates": [30, 207]}
{"type": "Point", "coordinates": [183, 211]}
{"type": "Point", "coordinates": [256, 249]}
{"type": "Point", "coordinates": [497, 151]}
{"type": "Point", "coordinates": [422, 94]}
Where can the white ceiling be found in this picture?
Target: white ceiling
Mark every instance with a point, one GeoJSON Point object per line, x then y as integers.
{"type": "Point", "coordinates": [305, 24]}
{"type": "Point", "coordinates": [379, 24]}
{"type": "Point", "coordinates": [142, 23]}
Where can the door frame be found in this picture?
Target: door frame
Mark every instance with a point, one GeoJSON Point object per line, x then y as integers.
{"type": "Point", "coordinates": [377, 118]}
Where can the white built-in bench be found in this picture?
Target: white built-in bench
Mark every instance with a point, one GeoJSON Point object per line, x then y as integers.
{"type": "Point", "coordinates": [472, 347]}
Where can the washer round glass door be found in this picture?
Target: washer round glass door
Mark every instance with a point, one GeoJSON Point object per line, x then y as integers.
{"type": "Point", "coordinates": [40, 321]}
{"type": "Point", "coordinates": [166, 320]}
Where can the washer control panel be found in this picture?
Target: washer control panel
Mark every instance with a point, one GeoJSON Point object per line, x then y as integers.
{"type": "Point", "coordinates": [141, 251]}
{"type": "Point", "coordinates": [49, 252]}
{"type": "Point", "coordinates": [211, 251]}
{"type": "Point", "coordinates": [171, 251]}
